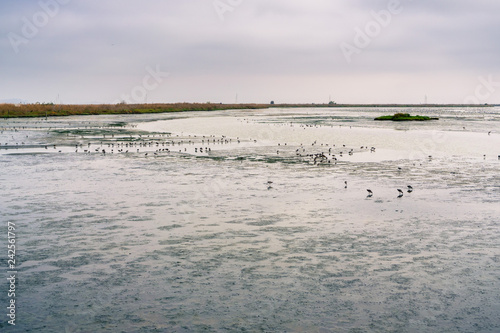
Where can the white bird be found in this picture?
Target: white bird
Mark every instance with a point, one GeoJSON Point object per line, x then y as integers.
{"type": "Point", "coordinates": [410, 189]}
{"type": "Point", "coordinates": [370, 193]}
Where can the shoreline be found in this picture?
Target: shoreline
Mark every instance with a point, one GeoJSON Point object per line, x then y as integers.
{"type": "Point", "coordinates": [62, 110]}
{"type": "Point", "coordinates": [411, 144]}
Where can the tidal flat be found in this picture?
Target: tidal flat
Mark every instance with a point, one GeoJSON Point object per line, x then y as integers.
{"type": "Point", "coordinates": [254, 221]}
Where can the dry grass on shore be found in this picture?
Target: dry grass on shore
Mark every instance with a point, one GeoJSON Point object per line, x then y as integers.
{"type": "Point", "coordinates": [49, 110]}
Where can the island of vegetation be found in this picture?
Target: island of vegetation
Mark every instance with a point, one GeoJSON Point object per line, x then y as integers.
{"type": "Point", "coordinates": [405, 117]}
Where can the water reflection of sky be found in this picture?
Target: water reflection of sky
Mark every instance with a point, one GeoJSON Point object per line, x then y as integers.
{"type": "Point", "coordinates": [189, 242]}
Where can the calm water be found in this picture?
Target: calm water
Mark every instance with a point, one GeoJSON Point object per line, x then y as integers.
{"type": "Point", "coordinates": [156, 235]}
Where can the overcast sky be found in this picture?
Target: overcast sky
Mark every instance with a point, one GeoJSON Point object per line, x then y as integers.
{"type": "Point", "coordinates": [289, 51]}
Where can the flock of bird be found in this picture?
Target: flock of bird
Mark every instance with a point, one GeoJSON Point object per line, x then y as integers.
{"type": "Point", "coordinates": [409, 190]}
{"type": "Point", "coordinates": [400, 191]}
{"type": "Point", "coordinates": [316, 158]}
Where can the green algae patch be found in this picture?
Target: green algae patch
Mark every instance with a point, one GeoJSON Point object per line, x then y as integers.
{"type": "Point", "coordinates": [405, 117]}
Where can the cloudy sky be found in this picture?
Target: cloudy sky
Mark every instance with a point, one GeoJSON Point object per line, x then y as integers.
{"type": "Point", "coordinates": [289, 51]}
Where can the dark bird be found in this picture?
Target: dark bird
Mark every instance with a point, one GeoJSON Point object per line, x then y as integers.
{"type": "Point", "coordinates": [345, 182]}
{"type": "Point", "coordinates": [410, 188]}
{"type": "Point", "coordinates": [370, 193]}
{"type": "Point", "coordinates": [400, 193]}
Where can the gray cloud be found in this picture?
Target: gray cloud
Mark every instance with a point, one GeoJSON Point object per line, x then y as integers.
{"type": "Point", "coordinates": [287, 50]}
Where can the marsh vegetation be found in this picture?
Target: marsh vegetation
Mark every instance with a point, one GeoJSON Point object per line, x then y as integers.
{"type": "Point", "coordinates": [406, 117]}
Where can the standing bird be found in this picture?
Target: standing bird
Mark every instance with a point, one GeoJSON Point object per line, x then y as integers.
{"type": "Point", "coordinates": [370, 193]}
{"type": "Point", "coordinates": [400, 193]}
{"type": "Point", "coordinates": [410, 189]}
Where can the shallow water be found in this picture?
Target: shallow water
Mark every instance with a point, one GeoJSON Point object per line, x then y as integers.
{"type": "Point", "coordinates": [180, 240]}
